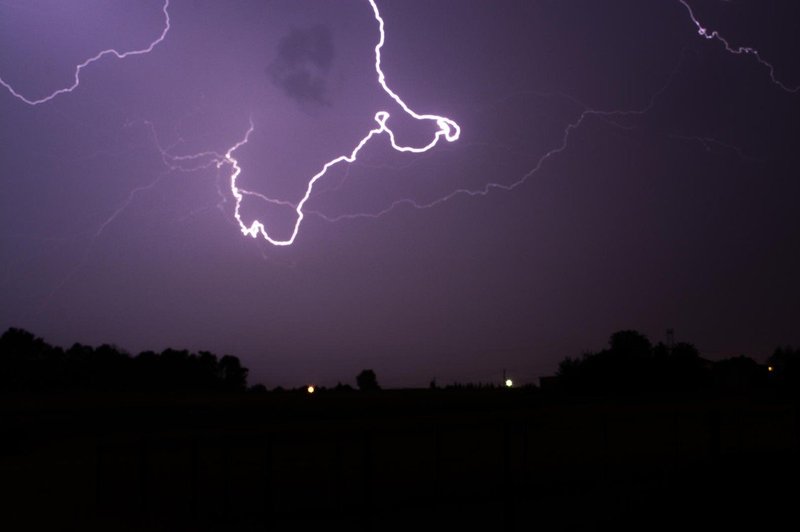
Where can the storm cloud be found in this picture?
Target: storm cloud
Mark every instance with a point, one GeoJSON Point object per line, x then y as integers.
{"type": "Point", "coordinates": [302, 64]}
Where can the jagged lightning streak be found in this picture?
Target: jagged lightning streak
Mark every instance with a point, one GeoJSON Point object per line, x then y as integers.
{"type": "Point", "coordinates": [447, 129]}
{"type": "Point", "coordinates": [489, 187]}
{"type": "Point", "coordinates": [77, 76]}
{"type": "Point", "coordinates": [445, 126]}
{"type": "Point", "coordinates": [708, 142]}
{"type": "Point", "coordinates": [609, 116]}
{"type": "Point", "coordinates": [737, 50]}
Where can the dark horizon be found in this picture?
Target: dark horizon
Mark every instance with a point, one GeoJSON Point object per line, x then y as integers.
{"type": "Point", "coordinates": [630, 365]}
{"type": "Point", "coordinates": [495, 376]}
{"type": "Point", "coordinates": [631, 437]}
{"type": "Point", "coordinates": [625, 165]}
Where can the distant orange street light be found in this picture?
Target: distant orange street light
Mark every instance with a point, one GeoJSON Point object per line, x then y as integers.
{"type": "Point", "coordinates": [310, 389]}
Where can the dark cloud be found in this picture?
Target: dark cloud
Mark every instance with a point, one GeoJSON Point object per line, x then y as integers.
{"type": "Point", "coordinates": [302, 64]}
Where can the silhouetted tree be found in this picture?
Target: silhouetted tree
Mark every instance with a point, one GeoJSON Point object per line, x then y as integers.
{"type": "Point", "coordinates": [738, 375]}
{"type": "Point", "coordinates": [367, 381]}
{"type": "Point", "coordinates": [785, 362]}
{"type": "Point", "coordinates": [29, 364]}
{"type": "Point", "coordinates": [679, 368]}
{"type": "Point", "coordinates": [631, 364]}
{"type": "Point", "coordinates": [630, 345]}
{"type": "Point", "coordinates": [234, 375]}
{"type": "Point", "coordinates": [208, 369]}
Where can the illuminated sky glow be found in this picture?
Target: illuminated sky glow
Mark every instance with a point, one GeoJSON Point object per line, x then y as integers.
{"type": "Point", "coordinates": [591, 166]}
{"type": "Point", "coordinates": [447, 129]}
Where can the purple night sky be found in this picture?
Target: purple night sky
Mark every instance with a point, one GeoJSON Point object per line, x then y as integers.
{"type": "Point", "coordinates": [616, 169]}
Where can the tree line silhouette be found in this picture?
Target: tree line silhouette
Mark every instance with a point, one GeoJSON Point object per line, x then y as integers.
{"type": "Point", "coordinates": [630, 364]}
{"type": "Point", "coordinates": [29, 364]}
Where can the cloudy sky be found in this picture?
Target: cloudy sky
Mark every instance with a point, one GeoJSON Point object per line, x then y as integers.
{"type": "Point", "coordinates": [615, 169]}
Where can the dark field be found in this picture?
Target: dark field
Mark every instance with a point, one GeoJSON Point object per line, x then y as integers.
{"type": "Point", "coordinates": [400, 460]}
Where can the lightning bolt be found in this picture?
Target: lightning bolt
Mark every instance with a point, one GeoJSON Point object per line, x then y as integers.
{"type": "Point", "coordinates": [448, 129]}
{"type": "Point", "coordinates": [78, 69]}
{"type": "Point", "coordinates": [736, 50]}
{"type": "Point", "coordinates": [606, 115]}
{"type": "Point", "coordinates": [610, 116]}
{"type": "Point", "coordinates": [708, 144]}
{"type": "Point", "coordinates": [489, 187]}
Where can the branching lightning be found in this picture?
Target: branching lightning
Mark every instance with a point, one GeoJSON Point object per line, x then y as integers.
{"type": "Point", "coordinates": [587, 112]}
{"type": "Point", "coordinates": [736, 50]}
{"type": "Point", "coordinates": [447, 129]}
{"type": "Point", "coordinates": [709, 142]}
{"type": "Point", "coordinates": [609, 116]}
{"type": "Point", "coordinates": [78, 69]}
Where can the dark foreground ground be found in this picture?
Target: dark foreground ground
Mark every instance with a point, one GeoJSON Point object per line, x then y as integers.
{"type": "Point", "coordinates": [403, 460]}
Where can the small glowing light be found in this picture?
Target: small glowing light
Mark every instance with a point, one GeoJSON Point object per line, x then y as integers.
{"type": "Point", "coordinates": [310, 389]}
{"type": "Point", "coordinates": [509, 383]}
{"type": "Point", "coordinates": [770, 369]}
